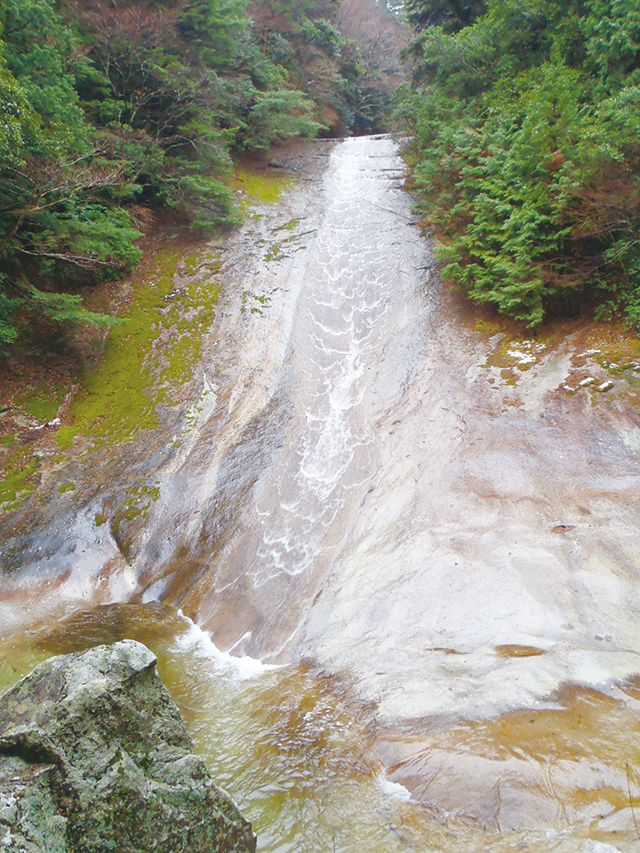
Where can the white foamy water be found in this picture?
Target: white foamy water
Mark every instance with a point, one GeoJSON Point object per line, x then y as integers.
{"type": "Point", "coordinates": [333, 350]}
{"type": "Point", "coordinates": [340, 330]}
{"type": "Point", "coordinates": [393, 790]}
{"type": "Point", "coordinates": [200, 642]}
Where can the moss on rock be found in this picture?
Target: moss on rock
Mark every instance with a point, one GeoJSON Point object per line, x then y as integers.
{"type": "Point", "coordinates": [94, 756]}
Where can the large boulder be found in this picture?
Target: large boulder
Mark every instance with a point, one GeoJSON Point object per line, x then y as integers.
{"type": "Point", "coordinates": [94, 756]}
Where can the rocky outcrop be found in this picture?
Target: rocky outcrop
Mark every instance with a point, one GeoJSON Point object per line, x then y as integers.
{"type": "Point", "coordinates": [94, 756]}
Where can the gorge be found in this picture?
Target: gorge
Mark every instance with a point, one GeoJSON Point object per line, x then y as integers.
{"type": "Point", "coordinates": [386, 555]}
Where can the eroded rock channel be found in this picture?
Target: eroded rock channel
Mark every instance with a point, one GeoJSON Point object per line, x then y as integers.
{"type": "Point", "coordinates": [388, 559]}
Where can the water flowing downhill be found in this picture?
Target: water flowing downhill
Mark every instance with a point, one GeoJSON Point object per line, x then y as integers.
{"type": "Point", "coordinates": [338, 329]}
{"type": "Point", "coordinates": [390, 568]}
{"type": "Point", "coordinates": [261, 505]}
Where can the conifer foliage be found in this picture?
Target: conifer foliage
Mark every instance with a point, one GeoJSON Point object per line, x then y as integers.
{"type": "Point", "coordinates": [111, 110]}
{"type": "Point", "coordinates": [526, 123]}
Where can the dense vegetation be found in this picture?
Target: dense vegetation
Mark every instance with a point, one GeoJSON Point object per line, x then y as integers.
{"type": "Point", "coordinates": [116, 111]}
{"type": "Point", "coordinates": [525, 116]}
{"type": "Point", "coordinates": [526, 121]}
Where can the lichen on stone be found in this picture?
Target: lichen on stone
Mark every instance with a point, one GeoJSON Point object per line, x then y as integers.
{"type": "Point", "coordinates": [95, 757]}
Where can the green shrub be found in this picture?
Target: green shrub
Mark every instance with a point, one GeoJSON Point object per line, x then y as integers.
{"type": "Point", "coordinates": [525, 126]}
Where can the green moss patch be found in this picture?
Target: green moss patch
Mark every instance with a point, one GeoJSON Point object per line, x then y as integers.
{"type": "Point", "coordinates": [43, 403]}
{"type": "Point", "coordinates": [488, 327]}
{"type": "Point", "coordinates": [255, 188]}
{"type": "Point", "coordinates": [291, 225]}
{"type": "Point", "coordinates": [147, 362]}
{"type": "Point", "coordinates": [20, 477]}
{"type": "Point", "coordinates": [148, 356]}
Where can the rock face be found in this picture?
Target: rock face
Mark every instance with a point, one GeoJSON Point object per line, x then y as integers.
{"type": "Point", "coordinates": [94, 756]}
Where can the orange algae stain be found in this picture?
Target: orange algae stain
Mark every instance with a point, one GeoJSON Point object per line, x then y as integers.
{"type": "Point", "coordinates": [573, 765]}
{"type": "Point", "coordinates": [507, 651]}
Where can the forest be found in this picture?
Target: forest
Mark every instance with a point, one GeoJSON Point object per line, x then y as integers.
{"type": "Point", "coordinates": [117, 113]}
{"type": "Point", "coordinates": [525, 116]}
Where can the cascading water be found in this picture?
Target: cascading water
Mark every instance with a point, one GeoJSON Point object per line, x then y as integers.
{"type": "Point", "coordinates": [347, 324]}
{"type": "Point", "coordinates": [417, 552]}
{"type": "Point", "coordinates": [347, 294]}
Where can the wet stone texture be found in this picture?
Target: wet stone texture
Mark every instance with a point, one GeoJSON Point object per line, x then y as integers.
{"type": "Point", "coordinates": [362, 475]}
{"type": "Point", "coordinates": [94, 756]}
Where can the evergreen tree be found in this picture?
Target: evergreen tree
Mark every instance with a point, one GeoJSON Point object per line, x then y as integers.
{"type": "Point", "coordinates": [113, 107]}
{"type": "Point", "coordinates": [528, 157]}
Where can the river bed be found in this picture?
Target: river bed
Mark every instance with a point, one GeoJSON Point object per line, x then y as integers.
{"type": "Point", "coordinates": [388, 558]}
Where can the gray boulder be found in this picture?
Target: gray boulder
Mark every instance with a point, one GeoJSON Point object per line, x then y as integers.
{"type": "Point", "coordinates": [94, 756]}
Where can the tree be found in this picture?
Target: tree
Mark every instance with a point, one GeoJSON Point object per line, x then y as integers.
{"type": "Point", "coordinates": [525, 127]}
{"type": "Point", "coordinates": [112, 109]}
{"type": "Point", "coordinates": [54, 221]}
{"type": "Point", "coordinates": [451, 15]}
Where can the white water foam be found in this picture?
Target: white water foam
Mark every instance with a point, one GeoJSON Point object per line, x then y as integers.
{"type": "Point", "coordinates": [200, 643]}
{"type": "Point", "coordinates": [393, 790]}
{"type": "Point", "coordinates": [339, 336]}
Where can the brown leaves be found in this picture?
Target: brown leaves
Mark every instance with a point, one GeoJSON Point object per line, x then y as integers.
{"type": "Point", "coordinates": [555, 163]}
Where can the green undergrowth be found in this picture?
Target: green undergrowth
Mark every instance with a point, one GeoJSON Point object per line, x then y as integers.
{"type": "Point", "coordinates": [526, 154]}
{"type": "Point", "coordinates": [149, 356]}
{"type": "Point", "coordinates": [116, 112]}
{"type": "Point", "coordinates": [43, 403]}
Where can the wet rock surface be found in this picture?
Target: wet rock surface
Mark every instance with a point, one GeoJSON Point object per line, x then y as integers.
{"type": "Point", "coordinates": [365, 476]}
{"type": "Point", "coordinates": [94, 756]}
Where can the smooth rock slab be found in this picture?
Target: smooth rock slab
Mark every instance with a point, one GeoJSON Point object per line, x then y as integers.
{"type": "Point", "coordinates": [94, 756]}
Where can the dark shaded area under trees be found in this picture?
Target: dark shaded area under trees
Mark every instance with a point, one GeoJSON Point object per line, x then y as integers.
{"type": "Point", "coordinates": [526, 123]}
{"type": "Point", "coordinates": [115, 111]}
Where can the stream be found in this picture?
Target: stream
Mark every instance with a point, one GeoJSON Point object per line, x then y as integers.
{"type": "Point", "coordinates": [388, 556]}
